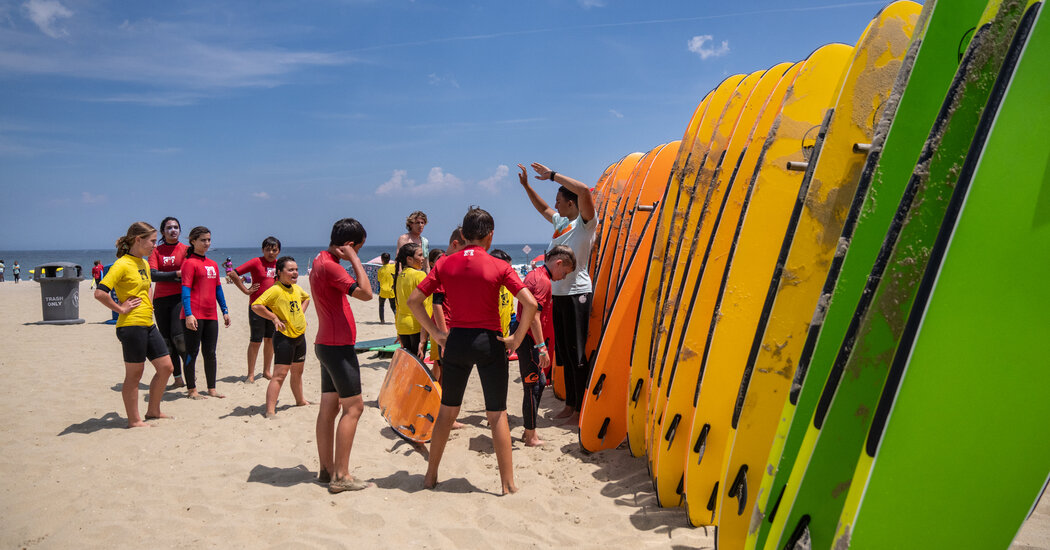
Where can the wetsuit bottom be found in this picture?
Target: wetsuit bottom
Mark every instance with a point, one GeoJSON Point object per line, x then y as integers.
{"type": "Point", "coordinates": [340, 371]}
{"type": "Point", "coordinates": [167, 310]}
{"type": "Point", "coordinates": [201, 341]}
{"type": "Point", "coordinates": [393, 307]}
{"type": "Point", "coordinates": [410, 342]}
{"type": "Point", "coordinates": [465, 348]}
{"type": "Point", "coordinates": [571, 316]}
{"type": "Point", "coordinates": [532, 380]}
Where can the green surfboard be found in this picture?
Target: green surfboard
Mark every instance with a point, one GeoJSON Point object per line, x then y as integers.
{"type": "Point", "coordinates": [827, 456]}
{"type": "Point", "coordinates": [965, 441]}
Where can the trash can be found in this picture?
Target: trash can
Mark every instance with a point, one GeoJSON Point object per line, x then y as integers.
{"type": "Point", "coordinates": [59, 292]}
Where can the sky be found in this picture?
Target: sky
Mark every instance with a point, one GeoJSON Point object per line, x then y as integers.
{"type": "Point", "coordinates": [259, 118]}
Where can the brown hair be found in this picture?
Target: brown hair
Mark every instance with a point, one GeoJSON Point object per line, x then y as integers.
{"type": "Point", "coordinates": [195, 234]}
{"type": "Point", "coordinates": [417, 214]}
{"type": "Point", "coordinates": [561, 252]}
{"type": "Point", "coordinates": [136, 230]}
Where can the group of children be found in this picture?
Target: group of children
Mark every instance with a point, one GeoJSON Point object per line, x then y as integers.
{"type": "Point", "coordinates": [450, 298]}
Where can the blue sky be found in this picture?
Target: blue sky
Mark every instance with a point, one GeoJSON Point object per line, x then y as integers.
{"type": "Point", "coordinates": [257, 118]}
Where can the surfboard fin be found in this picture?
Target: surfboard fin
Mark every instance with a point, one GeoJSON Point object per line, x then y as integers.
{"type": "Point", "coordinates": [739, 489]}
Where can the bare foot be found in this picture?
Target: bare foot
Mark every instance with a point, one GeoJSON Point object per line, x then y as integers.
{"type": "Point", "coordinates": [159, 416]}
{"type": "Point", "coordinates": [214, 393]}
{"type": "Point", "coordinates": [302, 404]}
{"type": "Point", "coordinates": [250, 379]}
{"type": "Point", "coordinates": [510, 489]}
{"type": "Point", "coordinates": [565, 413]}
{"type": "Point", "coordinates": [192, 394]}
{"type": "Point", "coordinates": [178, 383]}
{"type": "Point", "coordinates": [533, 442]}
{"type": "Point", "coordinates": [139, 424]}
{"type": "Point", "coordinates": [573, 420]}
{"type": "Point", "coordinates": [270, 415]}
{"type": "Point", "coordinates": [266, 375]}
{"type": "Point", "coordinates": [429, 483]}
{"type": "Point", "coordinates": [456, 425]}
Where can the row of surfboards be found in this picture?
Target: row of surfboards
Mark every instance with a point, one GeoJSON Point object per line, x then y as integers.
{"type": "Point", "coordinates": [817, 315]}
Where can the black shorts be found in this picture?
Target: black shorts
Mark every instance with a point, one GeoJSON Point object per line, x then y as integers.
{"type": "Point", "coordinates": [259, 326]}
{"type": "Point", "coordinates": [465, 348]}
{"type": "Point", "coordinates": [288, 350]}
{"type": "Point", "coordinates": [141, 343]}
{"type": "Point", "coordinates": [339, 370]}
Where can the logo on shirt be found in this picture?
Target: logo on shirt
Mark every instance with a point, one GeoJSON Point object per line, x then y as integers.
{"type": "Point", "coordinates": [210, 272]}
{"type": "Point", "coordinates": [168, 261]}
{"type": "Point", "coordinates": [293, 306]}
{"type": "Point", "coordinates": [271, 272]}
{"type": "Point", "coordinates": [143, 275]}
{"type": "Point", "coordinates": [569, 227]}
{"type": "Point", "coordinates": [468, 252]}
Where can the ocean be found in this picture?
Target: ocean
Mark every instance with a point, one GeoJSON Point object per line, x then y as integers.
{"type": "Point", "coordinates": [29, 259]}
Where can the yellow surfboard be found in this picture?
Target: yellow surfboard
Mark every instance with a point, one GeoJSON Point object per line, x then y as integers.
{"type": "Point", "coordinates": [739, 301]}
{"type": "Point", "coordinates": [864, 92]}
{"type": "Point", "coordinates": [638, 398]}
{"type": "Point", "coordinates": [727, 144]}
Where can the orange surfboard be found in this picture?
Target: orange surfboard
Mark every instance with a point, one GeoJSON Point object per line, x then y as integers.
{"type": "Point", "coordinates": [410, 397]}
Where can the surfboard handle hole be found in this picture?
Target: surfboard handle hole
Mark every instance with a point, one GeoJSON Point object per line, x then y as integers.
{"type": "Point", "coordinates": [861, 147]}
{"type": "Point", "coordinates": [637, 391]}
{"type": "Point", "coordinates": [797, 166]}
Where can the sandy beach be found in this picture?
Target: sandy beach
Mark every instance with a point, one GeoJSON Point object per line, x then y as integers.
{"type": "Point", "coordinates": [222, 475]}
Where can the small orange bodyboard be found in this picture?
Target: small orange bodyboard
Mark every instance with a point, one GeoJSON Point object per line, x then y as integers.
{"type": "Point", "coordinates": [410, 398]}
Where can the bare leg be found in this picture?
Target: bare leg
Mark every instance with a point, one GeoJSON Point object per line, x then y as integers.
{"type": "Point", "coordinates": [273, 389]}
{"type": "Point", "coordinates": [325, 432]}
{"type": "Point", "coordinates": [267, 357]}
{"type": "Point", "coordinates": [344, 434]}
{"type": "Point", "coordinates": [501, 442]}
{"type": "Point", "coordinates": [297, 385]}
{"type": "Point", "coordinates": [253, 354]}
{"type": "Point", "coordinates": [129, 391]}
{"type": "Point", "coordinates": [442, 427]}
{"type": "Point", "coordinates": [157, 386]}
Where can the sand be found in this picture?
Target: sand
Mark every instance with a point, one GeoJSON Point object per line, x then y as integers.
{"type": "Point", "coordinates": [222, 475]}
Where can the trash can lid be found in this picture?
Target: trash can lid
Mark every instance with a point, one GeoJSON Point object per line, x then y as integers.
{"type": "Point", "coordinates": [58, 270]}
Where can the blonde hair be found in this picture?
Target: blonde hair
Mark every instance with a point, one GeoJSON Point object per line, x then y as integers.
{"type": "Point", "coordinates": [137, 230]}
{"type": "Point", "coordinates": [417, 214]}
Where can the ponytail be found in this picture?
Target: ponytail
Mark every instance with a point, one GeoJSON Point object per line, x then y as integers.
{"type": "Point", "coordinates": [406, 251]}
{"type": "Point", "coordinates": [135, 231]}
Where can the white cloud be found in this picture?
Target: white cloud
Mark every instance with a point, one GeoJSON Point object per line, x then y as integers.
{"type": "Point", "coordinates": [435, 80]}
{"type": "Point", "coordinates": [616, 113]}
{"type": "Point", "coordinates": [491, 183]}
{"type": "Point", "coordinates": [262, 195]}
{"type": "Point", "coordinates": [698, 45]}
{"type": "Point", "coordinates": [89, 198]}
{"type": "Point", "coordinates": [437, 182]}
{"type": "Point", "coordinates": [46, 13]}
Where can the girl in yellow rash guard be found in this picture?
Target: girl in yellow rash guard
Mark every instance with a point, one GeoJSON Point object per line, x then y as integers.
{"type": "Point", "coordinates": [129, 277]}
{"type": "Point", "coordinates": [409, 331]}
{"type": "Point", "coordinates": [287, 303]}
{"type": "Point", "coordinates": [386, 286]}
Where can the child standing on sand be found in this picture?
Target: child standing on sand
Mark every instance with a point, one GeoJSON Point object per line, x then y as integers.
{"type": "Point", "coordinates": [139, 337]}
{"type": "Point", "coordinates": [334, 347]}
{"type": "Point", "coordinates": [285, 304]}
{"type": "Point", "coordinates": [201, 290]}
{"type": "Point", "coordinates": [386, 285]}
{"type": "Point", "coordinates": [262, 271]}
{"type": "Point", "coordinates": [471, 279]}
{"type": "Point", "coordinates": [409, 331]}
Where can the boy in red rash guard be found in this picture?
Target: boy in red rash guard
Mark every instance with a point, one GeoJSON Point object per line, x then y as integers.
{"type": "Point", "coordinates": [165, 264]}
{"type": "Point", "coordinates": [264, 272]}
{"type": "Point", "coordinates": [330, 284]}
{"type": "Point", "coordinates": [558, 263]}
{"type": "Point", "coordinates": [471, 279]}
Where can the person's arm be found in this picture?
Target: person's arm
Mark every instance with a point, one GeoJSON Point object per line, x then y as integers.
{"type": "Point", "coordinates": [191, 321]}
{"type": "Point", "coordinates": [528, 311]}
{"type": "Point", "coordinates": [362, 290]}
{"type": "Point", "coordinates": [220, 297]}
{"type": "Point", "coordinates": [541, 342]}
{"type": "Point", "coordinates": [261, 310]}
{"type": "Point", "coordinates": [538, 203]}
{"type": "Point", "coordinates": [306, 304]}
{"type": "Point", "coordinates": [583, 193]}
{"type": "Point", "coordinates": [419, 310]}
{"type": "Point", "coordinates": [103, 296]}
{"type": "Point", "coordinates": [239, 282]}
{"type": "Point", "coordinates": [164, 276]}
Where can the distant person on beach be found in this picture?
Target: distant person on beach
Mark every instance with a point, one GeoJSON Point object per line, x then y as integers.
{"type": "Point", "coordinates": [415, 223]}
{"type": "Point", "coordinates": [1, 271]}
{"type": "Point", "coordinates": [506, 301]}
{"type": "Point", "coordinates": [129, 277]}
{"type": "Point", "coordinates": [334, 348]}
{"type": "Point", "coordinates": [409, 332]}
{"type": "Point", "coordinates": [16, 270]}
{"type": "Point", "coordinates": [386, 285]}
{"type": "Point", "coordinates": [96, 272]}
{"type": "Point", "coordinates": [284, 304]}
{"type": "Point", "coordinates": [471, 279]}
{"type": "Point", "coordinates": [201, 290]}
{"type": "Point", "coordinates": [533, 355]}
{"type": "Point", "coordinates": [228, 266]}
{"type": "Point", "coordinates": [165, 267]}
{"type": "Point", "coordinates": [574, 224]}
{"type": "Point", "coordinates": [262, 271]}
